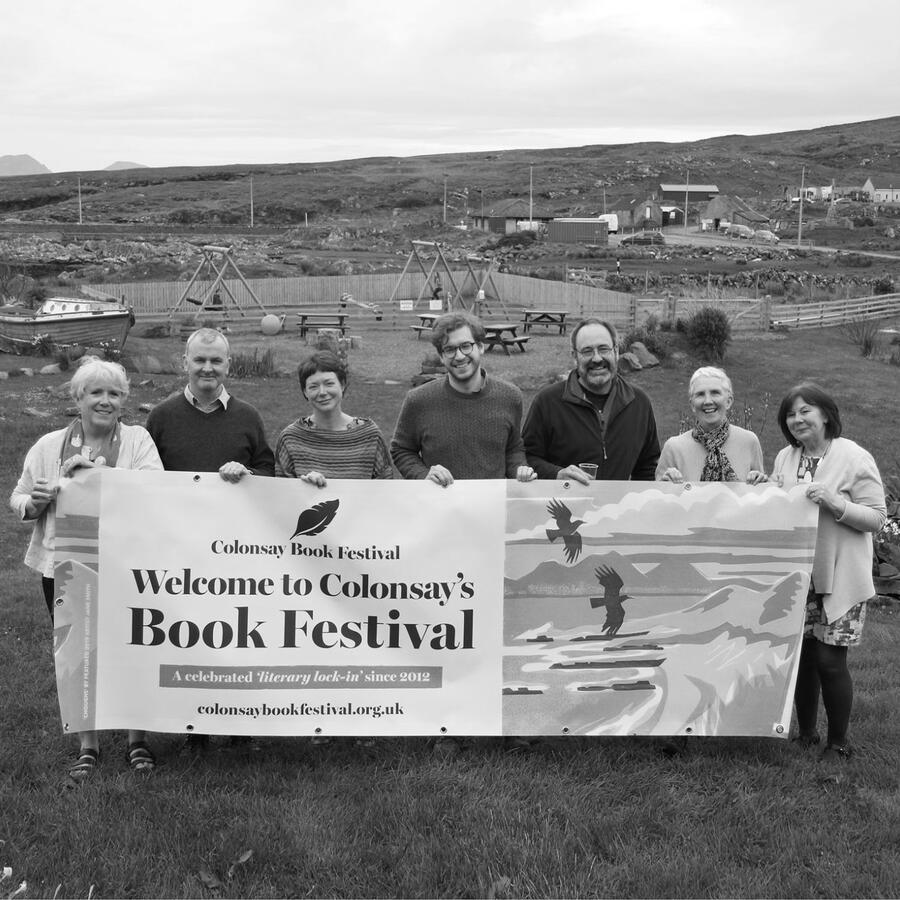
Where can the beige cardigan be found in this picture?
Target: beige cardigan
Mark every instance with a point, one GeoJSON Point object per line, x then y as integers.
{"type": "Point", "coordinates": [842, 568]}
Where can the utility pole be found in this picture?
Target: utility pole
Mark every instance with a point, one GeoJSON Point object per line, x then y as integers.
{"type": "Point", "coordinates": [445, 198]}
{"type": "Point", "coordinates": [80, 218]}
{"type": "Point", "coordinates": [251, 201]}
{"type": "Point", "coordinates": [531, 196]}
{"type": "Point", "coordinates": [800, 216]}
{"type": "Point", "coordinates": [687, 191]}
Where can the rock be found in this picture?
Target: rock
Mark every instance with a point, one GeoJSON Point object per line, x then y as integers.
{"type": "Point", "coordinates": [628, 362]}
{"type": "Point", "coordinates": [4, 375]}
{"type": "Point", "coordinates": [36, 413]}
{"type": "Point", "coordinates": [146, 407]}
{"type": "Point", "coordinates": [52, 369]}
{"type": "Point", "coordinates": [644, 356]}
{"type": "Point", "coordinates": [422, 379]}
{"type": "Point", "coordinates": [27, 372]}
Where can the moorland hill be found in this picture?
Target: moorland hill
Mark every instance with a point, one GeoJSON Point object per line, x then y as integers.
{"type": "Point", "coordinates": [567, 181]}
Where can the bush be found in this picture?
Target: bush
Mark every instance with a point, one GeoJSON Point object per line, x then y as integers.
{"type": "Point", "coordinates": [883, 286]}
{"type": "Point", "coordinates": [709, 332]}
{"type": "Point", "coordinates": [650, 336]}
{"type": "Point", "coordinates": [864, 334]}
{"type": "Point", "coordinates": [245, 365]}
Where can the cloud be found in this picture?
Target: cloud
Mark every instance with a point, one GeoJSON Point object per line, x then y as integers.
{"type": "Point", "coordinates": [349, 78]}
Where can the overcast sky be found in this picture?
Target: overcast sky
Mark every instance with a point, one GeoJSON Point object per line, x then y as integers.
{"type": "Point", "coordinates": [195, 82]}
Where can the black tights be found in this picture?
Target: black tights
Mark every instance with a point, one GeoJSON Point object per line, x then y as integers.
{"type": "Point", "coordinates": [47, 585]}
{"type": "Point", "coordinates": [823, 669]}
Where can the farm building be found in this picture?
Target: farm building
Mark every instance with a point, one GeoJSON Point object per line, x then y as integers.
{"type": "Point", "coordinates": [510, 216]}
{"type": "Point", "coordinates": [639, 214]}
{"type": "Point", "coordinates": [696, 193]}
{"type": "Point", "coordinates": [733, 210]}
{"type": "Point", "coordinates": [578, 231]}
{"type": "Point", "coordinates": [672, 215]}
{"type": "Point", "coordinates": [883, 188]}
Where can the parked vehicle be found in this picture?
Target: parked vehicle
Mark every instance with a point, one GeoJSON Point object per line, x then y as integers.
{"type": "Point", "coordinates": [740, 231]}
{"type": "Point", "coordinates": [769, 237]}
{"type": "Point", "coordinates": [612, 222]}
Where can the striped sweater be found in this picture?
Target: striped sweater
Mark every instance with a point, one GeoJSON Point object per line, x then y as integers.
{"type": "Point", "coordinates": [358, 452]}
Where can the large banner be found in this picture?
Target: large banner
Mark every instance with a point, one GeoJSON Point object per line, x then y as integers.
{"type": "Point", "coordinates": [271, 607]}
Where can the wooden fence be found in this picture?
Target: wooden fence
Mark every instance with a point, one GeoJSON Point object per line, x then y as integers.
{"type": "Point", "coordinates": [625, 311]}
{"type": "Point", "coordinates": [835, 312]}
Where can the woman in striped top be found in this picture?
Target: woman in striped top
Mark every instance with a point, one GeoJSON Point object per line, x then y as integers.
{"type": "Point", "coordinates": [330, 443]}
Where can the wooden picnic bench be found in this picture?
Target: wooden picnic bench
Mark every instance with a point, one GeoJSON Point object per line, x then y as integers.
{"type": "Point", "coordinates": [311, 321]}
{"type": "Point", "coordinates": [551, 318]}
{"type": "Point", "coordinates": [496, 336]}
{"type": "Point", "coordinates": [426, 323]}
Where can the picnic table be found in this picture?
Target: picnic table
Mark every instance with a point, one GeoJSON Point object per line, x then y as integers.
{"type": "Point", "coordinates": [426, 323]}
{"type": "Point", "coordinates": [552, 318]}
{"type": "Point", "coordinates": [310, 321]}
{"type": "Point", "coordinates": [495, 334]}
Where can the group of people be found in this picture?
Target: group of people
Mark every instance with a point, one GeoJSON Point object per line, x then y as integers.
{"type": "Point", "coordinates": [468, 424]}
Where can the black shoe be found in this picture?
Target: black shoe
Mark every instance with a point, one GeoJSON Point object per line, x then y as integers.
{"type": "Point", "coordinates": [806, 741]}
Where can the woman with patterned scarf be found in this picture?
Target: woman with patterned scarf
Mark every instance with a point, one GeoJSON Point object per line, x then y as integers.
{"type": "Point", "coordinates": [95, 438]}
{"type": "Point", "coordinates": [714, 449]}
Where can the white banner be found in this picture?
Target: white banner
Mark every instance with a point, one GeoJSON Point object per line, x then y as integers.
{"type": "Point", "coordinates": [272, 607]}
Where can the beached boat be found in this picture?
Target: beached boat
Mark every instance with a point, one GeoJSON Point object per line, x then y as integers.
{"type": "Point", "coordinates": [63, 322]}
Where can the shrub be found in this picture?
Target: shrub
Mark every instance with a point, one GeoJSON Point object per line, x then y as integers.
{"type": "Point", "coordinates": [883, 286]}
{"type": "Point", "coordinates": [245, 365]}
{"type": "Point", "coordinates": [650, 336]}
{"type": "Point", "coordinates": [709, 332]}
{"type": "Point", "coordinates": [863, 333]}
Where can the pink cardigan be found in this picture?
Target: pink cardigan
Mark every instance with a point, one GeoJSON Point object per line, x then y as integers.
{"type": "Point", "coordinates": [842, 567]}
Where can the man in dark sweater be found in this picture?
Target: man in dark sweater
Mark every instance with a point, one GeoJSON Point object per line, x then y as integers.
{"type": "Point", "coordinates": [594, 416]}
{"type": "Point", "coordinates": [465, 425]}
{"type": "Point", "coordinates": [204, 428]}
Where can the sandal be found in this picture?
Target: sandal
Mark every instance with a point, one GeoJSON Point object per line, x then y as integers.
{"type": "Point", "coordinates": [834, 753]}
{"type": "Point", "coordinates": [140, 758]}
{"type": "Point", "coordinates": [85, 766]}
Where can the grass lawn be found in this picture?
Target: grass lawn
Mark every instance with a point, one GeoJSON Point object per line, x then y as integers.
{"type": "Point", "coordinates": [575, 817]}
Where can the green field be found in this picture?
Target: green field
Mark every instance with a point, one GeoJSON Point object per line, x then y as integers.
{"type": "Point", "coordinates": [574, 817]}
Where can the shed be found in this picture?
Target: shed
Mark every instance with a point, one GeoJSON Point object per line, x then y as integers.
{"type": "Point", "coordinates": [732, 209]}
{"type": "Point", "coordinates": [510, 216]}
{"type": "Point", "coordinates": [578, 231]}
{"type": "Point", "coordinates": [696, 193]}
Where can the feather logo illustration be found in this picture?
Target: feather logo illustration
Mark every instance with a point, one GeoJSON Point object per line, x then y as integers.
{"type": "Point", "coordinates": [317, 518]}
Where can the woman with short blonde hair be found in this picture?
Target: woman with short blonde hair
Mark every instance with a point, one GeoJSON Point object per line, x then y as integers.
{"type": "Point", "coordinates": [714, 449]}
{"type": "Point", "coordinates": [95, 438]}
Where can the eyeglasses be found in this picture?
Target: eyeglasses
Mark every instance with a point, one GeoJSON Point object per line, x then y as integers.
{"type": "Point", "coordinates": [588, 352]}
{"type": "Point", "coordinates": [466, 347]}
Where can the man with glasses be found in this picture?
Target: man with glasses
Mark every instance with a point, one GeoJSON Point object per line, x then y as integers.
{"type": "Point", "coordinates": [594, 416]}
{"type": "Point", "coordinates": [465, 425]}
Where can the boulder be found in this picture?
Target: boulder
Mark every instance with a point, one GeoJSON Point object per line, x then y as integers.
{"type": "Point", "coordinates": [36, 413]}
{"type": "Point", "coordinates": [628, 362]}
{"type": "Point", "coordinates": [645, 357]}
{"type": "Point", "coordinates": [52, 369]}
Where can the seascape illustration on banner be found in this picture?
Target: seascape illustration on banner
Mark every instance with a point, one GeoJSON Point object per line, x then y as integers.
{"type": "Point", "coordinates": [653, 609]}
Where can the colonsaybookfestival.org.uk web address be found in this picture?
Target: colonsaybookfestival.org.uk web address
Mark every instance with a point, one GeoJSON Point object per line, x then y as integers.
{"type": "Point", "coordinates": [302, 709]}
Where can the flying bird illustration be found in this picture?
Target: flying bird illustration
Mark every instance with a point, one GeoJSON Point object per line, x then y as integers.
{"type": "Point", "coordinates": [566, 528]}
{"type": "Point", "coordinates": [317, 518]}
{"type": "Point", "coordinates": [611, 599]}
